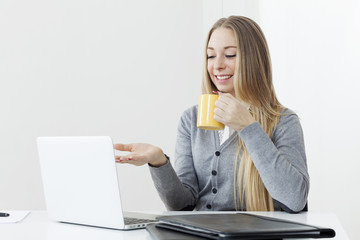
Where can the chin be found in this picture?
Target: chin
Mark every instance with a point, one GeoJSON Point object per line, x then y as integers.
{"type": "Point", "coordinates": [224, 90]}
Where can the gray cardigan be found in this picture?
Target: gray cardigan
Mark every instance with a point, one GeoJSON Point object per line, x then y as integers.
{"type": "Point", "coordinates": [203, 173]}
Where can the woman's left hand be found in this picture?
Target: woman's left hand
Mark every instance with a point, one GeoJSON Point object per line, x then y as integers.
{"type": "Point", "coordinates": [232, 112]}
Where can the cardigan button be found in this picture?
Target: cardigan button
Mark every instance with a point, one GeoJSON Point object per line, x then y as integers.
{"type": "Point", "coordinates": [213, 172]}
{"type": "Point", "coordinates": [214, 190]}
{"type": "Point", "coordinates": [208, 206]}
{"type": "Point", "coordinates": [217, 153]}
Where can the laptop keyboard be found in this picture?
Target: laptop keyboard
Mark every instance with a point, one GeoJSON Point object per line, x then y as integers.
{"type": "Point", "coordinates": [130, 221]}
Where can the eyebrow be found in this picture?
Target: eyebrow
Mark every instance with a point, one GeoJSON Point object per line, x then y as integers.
{"type": "Point", "coordinates": [211, 48]}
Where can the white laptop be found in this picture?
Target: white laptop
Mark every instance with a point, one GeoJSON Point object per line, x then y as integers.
{"type": "Point", "coordinates": [81, 185]}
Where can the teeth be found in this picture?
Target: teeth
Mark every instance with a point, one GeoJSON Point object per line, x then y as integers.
{"type": "Point", "coordinates": [223, 77]}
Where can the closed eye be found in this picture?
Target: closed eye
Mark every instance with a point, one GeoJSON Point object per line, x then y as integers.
{"type": "Point", "coordinates": [209, 57]}
{"type": "Point", "coordinates": [230, 56]}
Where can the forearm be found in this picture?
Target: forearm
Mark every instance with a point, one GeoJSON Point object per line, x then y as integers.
{"type": "Point", "coordinates": [175, 195]}
{"type": "Point", "coordinates": [282, 168]}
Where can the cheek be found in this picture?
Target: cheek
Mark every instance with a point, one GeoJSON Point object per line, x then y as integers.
{"type": "Point", "coordinates": [209, 68]}
{"type": "Point", "coordinates": [232, 65]}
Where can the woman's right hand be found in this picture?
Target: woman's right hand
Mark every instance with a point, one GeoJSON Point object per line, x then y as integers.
{"type": "Point", "coordinates": [140, 154]}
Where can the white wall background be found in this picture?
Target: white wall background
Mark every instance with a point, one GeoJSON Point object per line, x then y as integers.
{"type": "Point", "coordinates": [128, 69]}
{"type": "Point", "coordinates": [84, 67]}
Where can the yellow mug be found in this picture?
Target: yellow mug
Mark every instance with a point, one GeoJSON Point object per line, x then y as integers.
{"type": "Point", "coordinates": [206, 109]}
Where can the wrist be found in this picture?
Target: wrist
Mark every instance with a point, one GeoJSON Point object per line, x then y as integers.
{"type": "Point", "coordinates": [241, 127]}
{"type": "Point", "coordinates": [161, 161]}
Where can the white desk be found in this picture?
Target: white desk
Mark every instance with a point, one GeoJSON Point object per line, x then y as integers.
{"type": "Point", "coordinates": [37, 226]}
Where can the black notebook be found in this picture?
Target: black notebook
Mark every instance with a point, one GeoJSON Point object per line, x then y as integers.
{"type": "Point", "coordinates": [236, 226]}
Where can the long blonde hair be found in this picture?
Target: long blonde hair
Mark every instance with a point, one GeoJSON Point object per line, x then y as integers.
{"type": "Point", "coordinates": [253, 85]}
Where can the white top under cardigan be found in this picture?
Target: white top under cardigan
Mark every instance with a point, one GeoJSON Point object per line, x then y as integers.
{"type": "Point", "coordinates": [225, 134]}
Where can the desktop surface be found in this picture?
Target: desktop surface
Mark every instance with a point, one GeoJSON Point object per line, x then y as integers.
{"type": "Point", "coordinates": [38, 226]}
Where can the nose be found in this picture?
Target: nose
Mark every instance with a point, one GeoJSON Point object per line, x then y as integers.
{"type": "Point", "coordinates": [219, 63]}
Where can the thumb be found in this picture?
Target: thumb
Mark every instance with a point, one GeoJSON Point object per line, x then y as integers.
{"type": "Point", "coordinates": [123, 147]}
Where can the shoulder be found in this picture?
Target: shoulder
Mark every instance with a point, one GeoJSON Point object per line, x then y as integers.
{"type": "Point", "coordinates": [190, 114]}
{"type": "Point", "coordinates": [289, 123]}
{"type": "Point", "coordinates": [188, 118]}
{"type": "Point", "coordinates": [288, 116]}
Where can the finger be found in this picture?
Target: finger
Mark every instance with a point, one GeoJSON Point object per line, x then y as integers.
{"type": "Point", "coordinates": [135, 157]}
{"type": "Point", "coordinates": [130, 161]}
{"type": "Point", "coordinates": [122, 161]}
{"type": "Point", "coordinates": [224, 95]}
{"type": "Point", "coordinates": [125, 161]}
{"type": "Point", "coordinates": [127, 157]}
{"type": "Point", "coordinates": [219, 119]}
{"type": "Point", "coordinates": [123, 147]}
{"type": "Point", "coordinates": [219, 111]}
{"type": "Point", "coordinates": [226, 99]}
{"type": "Point", "coordinates": [219, 115]}
{"type": "Point", "coordinates": [221, 104]}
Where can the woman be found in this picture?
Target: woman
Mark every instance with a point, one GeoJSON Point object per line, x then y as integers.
{"type": "Point", "coordinates": [258, 162]}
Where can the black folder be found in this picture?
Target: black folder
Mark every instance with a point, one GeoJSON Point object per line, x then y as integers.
{"type": "Point", "coordinates": [236, 226]}
{"type": "Point", "coordinates": [158, 233]}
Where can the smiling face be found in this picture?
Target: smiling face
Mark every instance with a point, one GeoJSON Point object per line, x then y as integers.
{"type": "Point", "coordinates": [221, 59]}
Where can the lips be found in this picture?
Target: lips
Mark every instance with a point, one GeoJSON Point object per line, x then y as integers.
{"type": "Point", "coordinates": [223, 77]}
